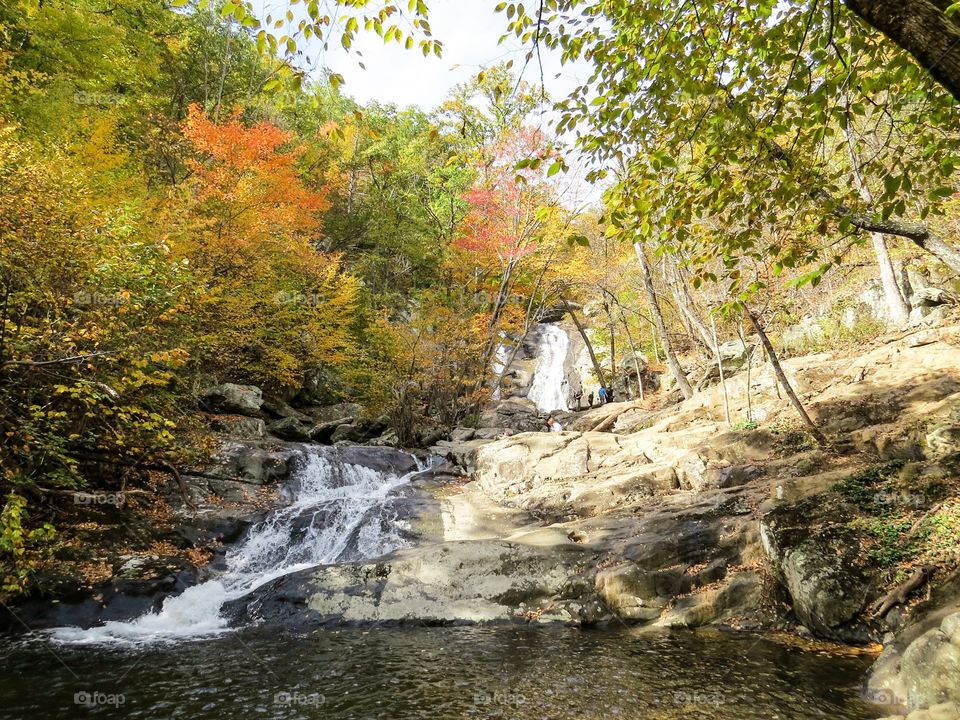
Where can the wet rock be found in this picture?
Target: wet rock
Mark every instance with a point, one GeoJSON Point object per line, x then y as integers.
{"type": "Point", "coordinates": [231, 399]}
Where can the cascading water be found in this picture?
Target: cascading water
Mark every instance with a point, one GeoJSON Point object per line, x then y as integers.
{"type": "Point", "coordinates": [340, 512]}
{"type": "Point", "coordinates": [548, 390]}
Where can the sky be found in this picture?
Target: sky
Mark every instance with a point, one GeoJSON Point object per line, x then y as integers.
{"type": "Point", "coordinates": [469, 31]}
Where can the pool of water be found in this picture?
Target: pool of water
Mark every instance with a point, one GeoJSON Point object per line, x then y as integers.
{"type": "Point", "coordinates": [516, 672]}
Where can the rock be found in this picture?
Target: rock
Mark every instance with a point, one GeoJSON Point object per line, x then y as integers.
{"type": "Point", "coordinates": [342, 412]}
{"type": "Point", "coordinates": [821, 573]}
{"type": "Point", "coordinates": [462, 434]}
{"type": "Point", "coordinates": [461, 454]}
{"type": "Point", "coordinates": [290, 428]}
{"type": "Point", "coordinates": [323, 432]}
{"type": "Point", "coordinates": [928, 315]}
{"type": "Point", "coordinates": [388, 439]}
{"type": "Point", "coordinates": [943, 440]}
{"type": "Point", "coordinates": [944, 711]}
{"type": "Point", "coordinates": [927, 672]}
{"type": "Point", "coordinates": [250, 462]}
{"type": "Point", "coordinates": [359, 431]}
{"type": "Point", "coordinates": [277, 408]}
{"type": "Point", "coordinates": [239, 426]}
{"type": "Point", "coordinates": [630, 592]}
{"type": "Point", "coordinates": [519, 414]}
{"type": "Point", "coordinates": [453, 582]}
{"type": "Point", "coordinates": [742, 593]}
{"type": "Point", "coordinates": [933, 296]}
{"type": "Point", "coordinates": [233, 399]}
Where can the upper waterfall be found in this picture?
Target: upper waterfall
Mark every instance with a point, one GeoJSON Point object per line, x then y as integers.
{"type": "Point", "coordinates": [549, 388]}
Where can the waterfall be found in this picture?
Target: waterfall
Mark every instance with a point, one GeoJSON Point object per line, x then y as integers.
{"type": "Point", "coordinates": [548, 390]}
{"type": "Point", "coordinates": [339, 512]}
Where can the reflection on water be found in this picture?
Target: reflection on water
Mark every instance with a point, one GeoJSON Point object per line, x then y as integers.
{"type": "Point", "coordinates": [467, 672]}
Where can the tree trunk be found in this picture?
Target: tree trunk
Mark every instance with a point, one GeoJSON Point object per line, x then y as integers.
{"type": "Point", "coordinates": [782, 377]}
{"type": "Point", "coordinates": [586, 341]}
{"type": "Point", "coordinates": [723, 379]}
{"type": "Point", "coordinates": [613, 345]}
{"type": "Point", "coordinates": [922, 29]}
{"type": "Point", "coordinates": [897, 307]}
{"type": "Point", "coordinates": [685, 303]}
{"type": "Point", "coordinates": [672, 361]}
{"type": "Point", "coordinates": [633, 350]}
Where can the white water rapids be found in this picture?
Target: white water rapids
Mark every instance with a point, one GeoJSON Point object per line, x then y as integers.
{"type": "Point", "coordinates": [339, 512]}
{"type": "Point", "coordinates": [548, 390]}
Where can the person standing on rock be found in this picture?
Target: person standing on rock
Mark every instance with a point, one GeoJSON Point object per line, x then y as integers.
{"type": "Point", "coordinates": [576, 398]}
{"type": "Point", "coordinates": [609, 393]}
{"type": "Point", "coordinates": [602, 395]}
{"type": "Point", "coordinates": [589, 401]}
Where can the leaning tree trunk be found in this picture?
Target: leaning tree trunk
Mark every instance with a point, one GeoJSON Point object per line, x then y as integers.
{"type": "Point", "coordinates": [922, 28]}
{"type": "Point", "coordinates": [782, 377]}
{"type": "Point", "coordinates": [586, 341]}
{"type": "Point", "coordinates": [672, 361]}
{"type": "Point", "coordinates": [897, 307]}
{"type": "Point", "coordinates": [685, 303]}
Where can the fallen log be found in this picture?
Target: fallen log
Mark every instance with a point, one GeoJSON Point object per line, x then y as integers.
{"type": "Point", "coordinates": [898, 596]}
{"type": "Point", "coordinates": [612, 418]}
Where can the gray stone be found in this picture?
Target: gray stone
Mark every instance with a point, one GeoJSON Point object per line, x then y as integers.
{"type": "Point", "coordinates": [462, 434]}
{"type": "Point", "coordinates": [230, 398]}
{"type": "Point", "coordinates": [332, 413]}
{"type": "Point", "coordinates": [290, 428]}
{"type": "Point", "coordinates": [279, 409]}
{"type": "Point", "coordinates": [239, 426]}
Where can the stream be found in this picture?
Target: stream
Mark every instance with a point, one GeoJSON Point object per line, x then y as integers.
{"type": "Point", "coordinates": [185, 662]}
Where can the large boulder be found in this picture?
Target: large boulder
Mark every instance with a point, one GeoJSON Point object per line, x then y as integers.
{"type": "Point", "coordinates": [820, 569]}
{"type": "Point", "coordinates": [290, 428]}
{"type": "Point", "coordinates": [230, 398]}
{"type": "Point", "coordinates": [519, 414]}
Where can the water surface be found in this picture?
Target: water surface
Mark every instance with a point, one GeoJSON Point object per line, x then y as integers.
{"type": "Point", "coordinates": [516, 672]}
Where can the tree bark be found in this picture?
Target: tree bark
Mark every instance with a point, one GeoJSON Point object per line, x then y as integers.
{"type": "Point", "coordinates": [671, 356]}
{"type": "Point", "coordinates": [897, 307]}
{"type": "Point", "coordinates": [586, 341]}
{"type": "Point", "coordinates": [922, 29]}
{"type": "Point", "coordinates": [782, 377]}
{"type": "Point", "coordinates": [723, 379]}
